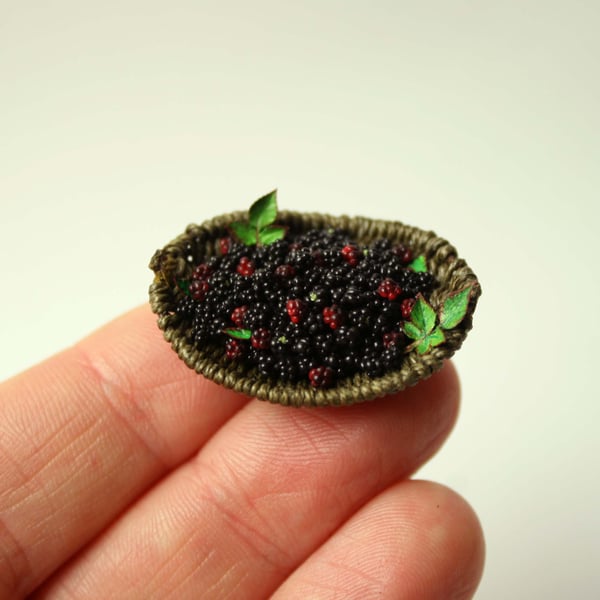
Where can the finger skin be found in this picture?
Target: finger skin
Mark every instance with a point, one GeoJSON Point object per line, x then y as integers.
{"type": "Point", "coordinates": [271, 486]}
{"type": "Point", "coordinates": [83, 434]}
{"type": "Point", "coordinates": [417, 540]}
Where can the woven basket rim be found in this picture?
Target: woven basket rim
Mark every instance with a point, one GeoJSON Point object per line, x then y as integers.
{"type": "Point", "coordinates": [171, 263]}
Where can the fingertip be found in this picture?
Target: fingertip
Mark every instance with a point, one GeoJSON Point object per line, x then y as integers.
{"type": "Point", "coordinates": [452, 541]}
{"type": "Point", "coordinates": [417, 539]}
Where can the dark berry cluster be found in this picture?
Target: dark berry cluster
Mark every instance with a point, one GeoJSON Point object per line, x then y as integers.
{"type": "Point", "coordinates": [315, 306]}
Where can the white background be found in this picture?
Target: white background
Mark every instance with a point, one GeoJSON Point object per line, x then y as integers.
{"type": "Point", "coordinates": [121, 122]}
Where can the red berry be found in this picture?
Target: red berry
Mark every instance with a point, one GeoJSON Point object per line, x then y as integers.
{"type": "Point", "coordinates": [333, 316]}
{"type": "Point", "coordinates": [389, 289]}
{"type": "Point", "coordinates": [224, 245]}
{"type": "Point", "coordinates": [233, 349]}
{"type": "Point", "coordinates": [320, 377]}
{"type": "Point", "coordinates": [285, 271]}
{"type": "Point", "coordinates": [202, 271]}
{"type": "Point", "coordinates": [295, 309]}
{"type": "Point", "coordinates": [245, 267]}
{"type": "Point", "coordinates": [261, 339]}
{"type": "Point", "coordinates": [318, 259]}
{"type": "Point", "coordinates": [238, 314]}
{"type": "Point", "coordinates": [406, 307]}
{"type": "Point", "coordinates": [390, 338]}
{"type": "Point", "coordinates": [351, 254]}
{"type": "Point", "coordinates": [199, 288]}
{"type": "Point", "coordinates": [403, 253]}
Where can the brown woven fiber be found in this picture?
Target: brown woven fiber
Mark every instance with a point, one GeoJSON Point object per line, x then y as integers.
{"type": "Point", "coordinates": [198, 242]}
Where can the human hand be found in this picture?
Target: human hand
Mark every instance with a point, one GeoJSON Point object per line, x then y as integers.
{"type": "Point", "coordinates": [126, 475]}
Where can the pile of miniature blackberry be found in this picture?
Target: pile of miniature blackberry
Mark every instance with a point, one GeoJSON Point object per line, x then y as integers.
{"type": "Point", "coordinates": [314, 306]}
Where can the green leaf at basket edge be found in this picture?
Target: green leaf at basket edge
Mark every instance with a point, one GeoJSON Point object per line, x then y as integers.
{"type": "Point", "coordinates": [412, 331]}
{"type": "Point", "coordinates": [454, 309]}
{"type": "Point", "coordinates": [184, 285]}
{"type": "Point", "coordinates": [422, 345]}
{"type": "Point", "coordinates": [435, 338]}
{"type": "Point", "coordinates": [419, 265]}
{"type": "Point", "coordinates": [244, 233]}
{"type": "Point", "coordinates": [264, 211]}
{"type": "Point", "coordinates": [422, 315]}
{"type": "Point", "coordinates": [239, 334]}
{"type": "Point", "coordinates": [271, 234]}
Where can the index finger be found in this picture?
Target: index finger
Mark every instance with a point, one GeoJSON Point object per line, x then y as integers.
{"type": "Point", "coordinates": [84, 433]}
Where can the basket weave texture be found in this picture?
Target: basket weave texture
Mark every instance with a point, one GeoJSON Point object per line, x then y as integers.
{"type": "Point", "coordinates": [199, 242]}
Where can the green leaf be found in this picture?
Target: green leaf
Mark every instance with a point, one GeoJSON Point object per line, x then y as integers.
{"type": "Point", "coordinates": [412, 331]}
{"type": "Point", "coordinates": [184, 285]}
{"type": "Point", "coordinates": [271, 234]}
{"type": "Point", "coordinates": [422, 345]}
{"type": "Point", "coordinates": [264, 211]}
{"type": "Point", "coordinates": [418, 265]}
{"type": "Point", "coordinates": [244, 233]}
{"type": "Point", "coordinates": [435, 338]}
{"type": "Point", "coordinates": [422, 315]}
{"type": "Point", "coordinates": [455, 308]}
{"type": "Point", "coordinates": [239, 334]}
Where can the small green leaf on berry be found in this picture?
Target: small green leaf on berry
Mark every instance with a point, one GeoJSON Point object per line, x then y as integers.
{"type": "Point", "coordinates": [418, 265]}
{"type": "Point", "coordinates": [244, 232]}
{"type": "Point", "coordinates": [270, 234]}
{"type": "Point", "coordinates": [264, 211]}
{"type": "Point", "coordinates": [422, 315]}
{"type": "Point", "coordinates": [454, 308]}
{"type": "Point", "coordinates": [239, 334]}
{"type": "Point", "coordinates": [184, 285]}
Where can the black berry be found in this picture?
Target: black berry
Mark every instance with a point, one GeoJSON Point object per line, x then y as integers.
{"type": "Point", "coordinates": [317, 306]}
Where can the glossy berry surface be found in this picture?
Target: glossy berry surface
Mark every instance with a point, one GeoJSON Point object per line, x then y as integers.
{"type": "Point", "coordinates": [224, 245]}
{"type": "Point", "coordinates": [238, 315]}
{"type": "Point", "coordinates": [389, 289]}
{"type": "Point", "coordinates": [351, 254]}
{"type": "Point", "coordinates": [391, 338]}
{"type": "Point", "coordinates": [261, 339]}
{"type": "Point", "coordinates": [199, 288]}
{"type": "Point", "coordinates": [406, 307]}
{"type": "Point", "coordinates": [320, 377]}
{"type": "Point", "coordinates": [333, 316]}
{"type": "Point", "coordinates": [403, 253]}
{"type": "Point", "coordinates": [285, 271]}
{"type": "Point", "coordinates": [311, 309]}
{"type": "Point", "coordinates": [233, 349]}
{"type": "Point", "coordinates": [202, 271]}
{"type": "Point", "coordinates": [296, 309]}
{"type": "Point", "coordinates": [245, 266]}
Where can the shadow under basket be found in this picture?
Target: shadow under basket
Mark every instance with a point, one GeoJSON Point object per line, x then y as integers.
{"type": "Point", "coordinates": [199, 242]}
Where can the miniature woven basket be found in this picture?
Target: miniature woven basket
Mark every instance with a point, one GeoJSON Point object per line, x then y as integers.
{"type": "Point", "coordinates": [199, 242]}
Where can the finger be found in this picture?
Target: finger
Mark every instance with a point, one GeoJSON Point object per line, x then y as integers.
{"type": "Point", "coordinates": [267, 489]}
{"type": "Point", "coordinates": [86, 432]}
{"type": "Point", "coordinates": [415, 540]}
